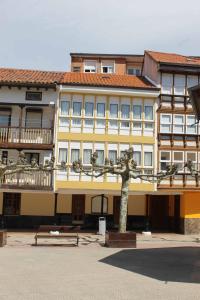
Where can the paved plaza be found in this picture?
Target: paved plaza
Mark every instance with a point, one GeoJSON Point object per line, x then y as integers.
{"type": "Point", "coordinates": [163, 266]}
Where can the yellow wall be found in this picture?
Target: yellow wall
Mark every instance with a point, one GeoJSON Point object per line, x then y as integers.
{"type": "Point", "coordinates": [102, 186]}
{"type": "Point", "coordinates": [1, 203]}
{"type": "Point", "coordinates": [37, 204]}
{"type": "Point", "coordinates": [137, 205]}
{"type": "Point", "coordinates": [65, 136]}
{"type": "Point", "coordinates": [64, 203]}
{"type": "Point", "coordinates": [190, 205]}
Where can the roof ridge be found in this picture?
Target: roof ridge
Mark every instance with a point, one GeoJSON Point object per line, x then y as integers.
{"type": "Point", "coordinates": [31, 70]}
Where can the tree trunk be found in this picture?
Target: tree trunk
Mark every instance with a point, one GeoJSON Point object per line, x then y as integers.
{"type": "Point", "coordinates": [123, 204]}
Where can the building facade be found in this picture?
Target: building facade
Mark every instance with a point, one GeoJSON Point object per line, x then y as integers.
{"type": "Point", "coordinates": [27, 113]}
{"type": "Point", "coordinates": [106, 115]}
{"type": "Point", "coordinates": [120, 64]}
{"type": "Point", "coordinates": [178, 139]}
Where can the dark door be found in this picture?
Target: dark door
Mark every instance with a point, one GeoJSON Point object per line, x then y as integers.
{"type": "Point", "coordinates": [177, 213]}
{"type": "Point", "coordinates": [116, 209]}
{"type": "Point", "coordinates": [159, 207]}
{"type": "Point", "coordinates": [78, 208]}
{"type": "Point", "coordinates": [11, 204]}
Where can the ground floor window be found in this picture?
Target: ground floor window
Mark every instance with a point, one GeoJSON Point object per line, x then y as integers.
{"type": "Point", "coordinates": [99, 204]}
{"type": "Point", "coordinates": [11, 204]}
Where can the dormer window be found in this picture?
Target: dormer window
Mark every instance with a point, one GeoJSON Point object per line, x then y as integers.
{"type": "Point", "coordinates": [90, 66]}
{"type": "Point", "coordinates": [133, 71]}
{"type": "Point", "coordinates": [107, 67]}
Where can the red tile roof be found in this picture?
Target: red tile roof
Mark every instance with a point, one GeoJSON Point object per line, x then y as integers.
{"type": "Point", "coordinates": [107, 80]}
{"type": "Point", "coordinates": [174, 58]}
{"type": "Point", "coordinates": [20, 76]}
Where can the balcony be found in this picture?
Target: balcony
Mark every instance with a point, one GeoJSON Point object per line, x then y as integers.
{"type": "Point", "coordinates": [24, 136]}
{"type": "Point", "coordinates": [37, 180]}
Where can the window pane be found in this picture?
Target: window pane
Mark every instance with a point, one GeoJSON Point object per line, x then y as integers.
{"type": "Point", "coordinates": [76, 122]}
{"type": "Point", "coordinates": [148, 159]}
{"type": "Point", "coordinates": [101, 109]}
{"type": "Point", "coordinates": [63, 122]}
{"type": "Point", "coordinates": [148, 112]}
{"type": "Point", "coordinates": [191, 156]}
{"type": "Point", "coordinates": [64, 108]}
{"type": "Point", "coordinates": [113, 124]}
{"type": "Point", "coordinates": [96, 204]}
{"type": "Point", "coordinates": [114, 110]}
{"type": "Point", "coordinates": [178, 119]}
{"type": "Point", "coordinates": [100, 124]}
{"type": "Point", "coordinates": [112, 155]}
{"type": "Point", "coordinates": [125, 110]}
{"type": "Point", "coordinates": [89, 108]}
{"type": "Point", "coordinates": [77, 108]}
{"type": "Point", "coordinates": [178, 156]}
{"type": "Point", "coordinates": [137, 112]}
{"type": "Point", "coordinates": [87, 153]}
{"type": "Point", "coordinates": [165, 118]}
{"type": "Point", "coordinates": [125, 124]}
{"type": "Point", "coordinates": [74, 155]}
{"type": "Point", "coordinates": [62, 155]}
{"type": "Point", "coordinates": [137, 125]}
{"type": "Point", "coordinates": [89, 123]}
{"type": "Point", "coordinates": [137, 157]}
{"type": "Point", "coordinates": [34, 119]}
{"type": "Point", "coordinates": [100, 159]}
{"type": "Point", "coordinates": [165, 128]}
{"type": "Point", "coordinates": [165, 156]}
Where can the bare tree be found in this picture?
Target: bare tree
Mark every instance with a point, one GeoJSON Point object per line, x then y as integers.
{"type": "Point", "coordinates": [126, 167]}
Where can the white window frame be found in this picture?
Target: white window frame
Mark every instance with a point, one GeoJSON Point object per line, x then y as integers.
{"type": "Point", "coordinates": [178, 124]}
{"type": "Point", "coordinates": [107, 64]}
{"type": "Point", "coordinates": [90, 67]}
{"type": "Point", "coordinates": [166, 123]}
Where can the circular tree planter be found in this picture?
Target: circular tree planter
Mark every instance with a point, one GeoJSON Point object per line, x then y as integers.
{"type": "Point", "coordinates": [120, 240]}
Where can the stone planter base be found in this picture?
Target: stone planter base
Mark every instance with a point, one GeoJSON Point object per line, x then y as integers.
{"type": "Point", "coordinates": [3, 238]}
{"type": "Point", "coordinates": [120, 240]}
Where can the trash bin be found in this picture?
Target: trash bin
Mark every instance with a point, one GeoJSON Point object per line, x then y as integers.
{"type": "Point", "coordinates": [102, 226]}
{"type": "Point", "coordinates": [3, 238]}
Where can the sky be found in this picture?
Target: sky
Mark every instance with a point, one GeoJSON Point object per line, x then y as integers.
{"type": "Point", "coordinates": [40, 34]}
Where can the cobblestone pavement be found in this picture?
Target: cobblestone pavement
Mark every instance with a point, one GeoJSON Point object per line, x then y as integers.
{"type": "Point", "coordinates": [164, 266]}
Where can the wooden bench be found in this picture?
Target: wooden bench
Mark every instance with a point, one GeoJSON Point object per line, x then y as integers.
{"type": "Point", "coordinates": [65, 232]}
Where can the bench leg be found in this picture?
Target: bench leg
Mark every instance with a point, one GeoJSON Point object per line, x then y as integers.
{"type": "Point", "coordinates": [77, 241]}
{"type": "Point", "coordinates": [35, 241]}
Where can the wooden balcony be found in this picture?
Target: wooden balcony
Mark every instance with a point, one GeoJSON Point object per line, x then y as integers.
{"type": "Point", "coordinates": [37, 180]}
{"type": "Point", "coordinates": [16, 137]}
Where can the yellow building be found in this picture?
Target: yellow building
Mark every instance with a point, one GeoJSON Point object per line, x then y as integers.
{"type": "Point", "coordinates": [107, 114]}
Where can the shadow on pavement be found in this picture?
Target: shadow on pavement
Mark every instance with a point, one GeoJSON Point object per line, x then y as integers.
{"type": "Point", "coordinates": [177, 264]}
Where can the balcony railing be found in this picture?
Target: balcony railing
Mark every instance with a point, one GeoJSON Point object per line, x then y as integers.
{"type": "Point", "coordinates": [36, 180]}
{"type": "Point", "coordinates": [26, 135]}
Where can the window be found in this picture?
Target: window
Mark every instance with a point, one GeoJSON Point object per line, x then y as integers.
{"type": "Point", "coordinates": [191, 156]}
{"type": "Point", "coordinates": [113, 110]}
{"type": "Point", "coordinates": [63, 122]}
{"type": "Point", "coordinates": [74, 155]}
{"type": "Point", "coordinates": [122, 153]}
{"type": "Point", "coordinates": [32, 156]}
{"type": "Point", "coordinates": [164, 160]}
{"type": "Point", "coordinates": [99, 204]}
{"type": "Point", "coordinates": [87, 154]}
{"type": "Point", "coordinates": [100, 109]}
{"type": "Point", "coordinates": [100, 159]}
{"type": "Point", "coordinates": [137, 157]}
{"type": "Point", "coordinates": [191, 127]}
{"type": "Point", "coordinates": [133, 71]}
{"type": "Point", "coordinates": [90, 66]}
{"type": "Point", "coordinates": [137, 112]}
{"type": "Point", "coordinates": [148, 159]}
{"type": "Point", "coordinates": [5, 117]}
{"type": "Point", "coordinates": [107, 67]}
{"type": "Point", "coordinates": [34, 96]}
{"type": "Point", "coordinates": [4, 157]}
{"type": "Point", "coordinates": [11, 204]}
{"type": "Point", "coordinates": [178, 159]}
{"type": "Point", "coordinates": [64, 108]}
{"type": "Point", "coordinates": [76, 69]}
{"type": "Point", "coordinates": [62, 155]}
{"type": "Point", "coordinates": [125, 111]}
{"type": "Point", "coordinates": [148, 112]}
{"type": "Point", "coordinates": [125, 125]}
{"type": "Point", "coordinates": [112, 155]}
{"type": "Point", "coordinates": [89, 109]}
{"type": "Point", "coordinates": [178, 124]}
{"type": "Point", "coordinates": [89, 123]}
{"type": "Point", "coordinates": [165, 123]}
{"type": "Point", "coordinates": [77, 108]}
{"type": "Point", "coordinates": [33, 119]}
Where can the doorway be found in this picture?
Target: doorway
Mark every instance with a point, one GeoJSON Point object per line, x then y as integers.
{"type": "Point", "coordinates": [78, 209]}
{"type": "Point", "coordinates": [116, 210]}
{"type": "Point", "coordinates": [159, 212]}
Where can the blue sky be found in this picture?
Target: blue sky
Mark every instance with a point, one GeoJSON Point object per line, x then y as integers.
{"type": "Point", "coordinates": [40, 34]}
